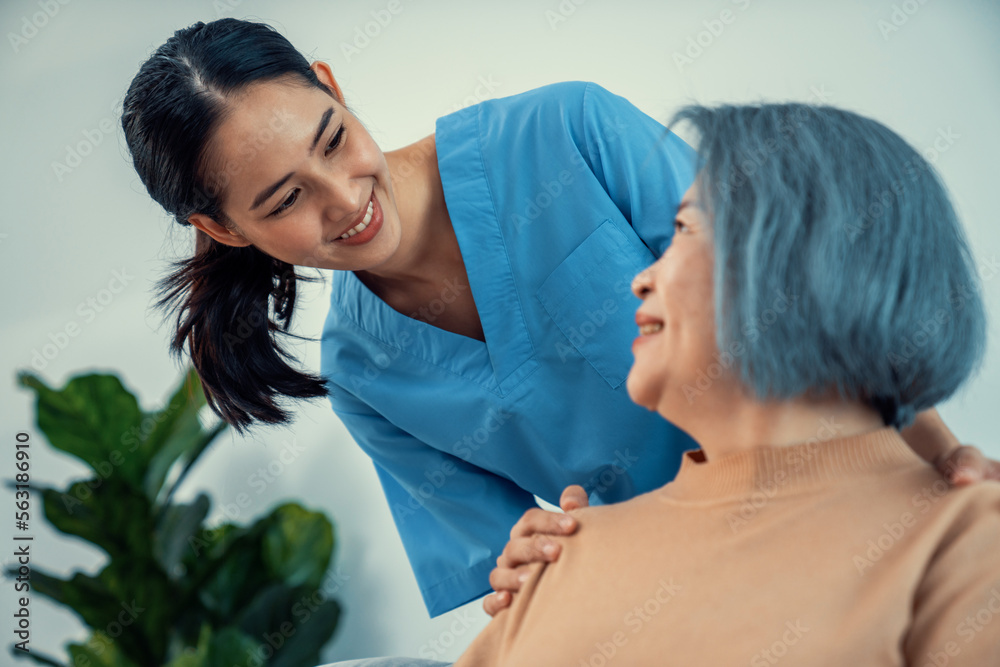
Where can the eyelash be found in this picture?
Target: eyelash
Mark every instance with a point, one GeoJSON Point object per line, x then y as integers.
{"type": "Point", "coordinates": [335, 142]}
{"type": "Point", "coordinates": [678, 224]}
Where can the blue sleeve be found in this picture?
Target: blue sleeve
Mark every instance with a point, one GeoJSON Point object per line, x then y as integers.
{"type": "Point", "coordinates": [644, 168]}
{"type": "Point", "coordinates": [454, 518]}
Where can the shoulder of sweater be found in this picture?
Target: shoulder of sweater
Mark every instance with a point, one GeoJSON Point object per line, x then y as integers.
{"type": "Point", "coordinates": [933, 501]}
{"type": "Point", "coordinates": [979, 499]}
{"type": "Point", "coordinates": [613, 512]}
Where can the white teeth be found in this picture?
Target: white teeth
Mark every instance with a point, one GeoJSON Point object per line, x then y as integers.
{"type": "Point", "coordinates": [360, 227]}
{"type": "Point", "coordinates": [647, 329]}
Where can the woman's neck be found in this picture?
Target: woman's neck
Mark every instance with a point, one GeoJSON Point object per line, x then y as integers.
{"type": "Point", "coordinates": [749, 424]}
{"type": "Point", "coordinates": [427, 241]}
{"type": "Point", "coordinates": [428, 262]}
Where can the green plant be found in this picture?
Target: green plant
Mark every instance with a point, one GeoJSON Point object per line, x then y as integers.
{"type": "Point", "coordinates": [174, 592]}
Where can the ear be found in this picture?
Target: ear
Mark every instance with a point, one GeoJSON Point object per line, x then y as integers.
{"type": "Point", "coordinates": [325, 76]}
{"type": "Point", "coordinates": [218, 232]}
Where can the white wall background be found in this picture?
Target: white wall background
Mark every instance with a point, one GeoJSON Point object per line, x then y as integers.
{"type": "Point", "coordinates": [927, 68]}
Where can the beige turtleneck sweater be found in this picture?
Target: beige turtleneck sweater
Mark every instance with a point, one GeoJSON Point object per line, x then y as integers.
{"type": "Point", "coordinates": [847, 552]}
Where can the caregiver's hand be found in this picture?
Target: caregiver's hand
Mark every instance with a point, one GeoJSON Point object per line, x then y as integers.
{"type": "Point", "coordinates": [965, 464]}
{"type": "Point", "coordinates": [932, 440]}
{"type": "Point", "coordinates": [529, 544]}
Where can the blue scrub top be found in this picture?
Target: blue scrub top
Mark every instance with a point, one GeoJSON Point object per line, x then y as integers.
{"type": "Point", "coordinates": [558, 197]}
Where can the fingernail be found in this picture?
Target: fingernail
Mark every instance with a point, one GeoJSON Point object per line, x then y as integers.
{"type": "Point", "coordinates": [523, 577]}
{"type": "Point", "coordinates": [968, 473]}
{"type": "Point", "coordinates": [566, 522]}
{"type": "Point", "coordinates": [549, 549]}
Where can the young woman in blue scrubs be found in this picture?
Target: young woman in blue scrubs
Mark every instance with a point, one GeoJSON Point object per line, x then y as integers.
{"type": "Point", "coordinates": [476, 340]}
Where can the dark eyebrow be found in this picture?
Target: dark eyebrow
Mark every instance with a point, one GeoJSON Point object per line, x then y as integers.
{"type": "Point", "coordinates": [269, 191]}
{"type": "Point", "coordinates": [323, 122]}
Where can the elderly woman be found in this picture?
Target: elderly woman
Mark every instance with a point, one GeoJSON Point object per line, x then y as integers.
{"type": "Point", "coordinates": [817, 294]}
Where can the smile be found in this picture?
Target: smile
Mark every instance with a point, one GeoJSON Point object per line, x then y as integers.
{"type": "Point", "coordinates": [360, 227]}
{"type": "Point", "coordinates": [651, 328]}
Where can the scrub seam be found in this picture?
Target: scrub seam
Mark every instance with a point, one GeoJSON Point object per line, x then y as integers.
{"type": "Point", "coordinates": [503, 240]}
{"type": "Point", "coordinates": [372, 336]}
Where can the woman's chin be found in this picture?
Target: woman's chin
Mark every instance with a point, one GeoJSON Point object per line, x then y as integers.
{"type": "Point", "coordinates": [631, 388]}
{"type": "Point", "coordinates": [640, 394]}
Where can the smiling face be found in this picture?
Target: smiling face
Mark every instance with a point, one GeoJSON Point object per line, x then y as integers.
{"type": "Point", "coordinates": [676, 320]}
{"type": "Point", "coordinates": [301, 179]}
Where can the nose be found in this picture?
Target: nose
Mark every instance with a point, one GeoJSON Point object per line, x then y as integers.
{"type": "Point", "coordinates": [642, 284]}
{"type": "Point", "coordinates": [343, 198]}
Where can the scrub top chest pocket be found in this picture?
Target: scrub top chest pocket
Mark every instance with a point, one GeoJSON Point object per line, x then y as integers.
{"type": "Point", "coordinates": [589, 298]}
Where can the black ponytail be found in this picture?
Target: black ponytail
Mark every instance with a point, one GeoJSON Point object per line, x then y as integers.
{"type": "Point", "coordinates": [231, 303]}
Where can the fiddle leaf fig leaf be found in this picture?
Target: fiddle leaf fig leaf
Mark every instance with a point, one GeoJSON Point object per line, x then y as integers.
{"type": "Point", "coordinates": [88, 419]}
{"type": "Point", "coordinates": [175, 435]}
{"type": "Point", "coordinates": [100, 651]}
{"type": "Point", "coordinates": [110, 514]}
{"type": "Point", "coordinates": [298, 544]}
{"type": "Point", "coordinates": [173, 535]}
{"type": "Point", "coordinates": [174, 592]}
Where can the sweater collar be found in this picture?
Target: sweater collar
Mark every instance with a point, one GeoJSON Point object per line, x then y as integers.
{"type": "Point", "coordinates": [787, 468]}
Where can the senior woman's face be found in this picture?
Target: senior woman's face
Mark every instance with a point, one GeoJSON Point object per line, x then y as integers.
{"type": "Point", "coordinates": [676, 320]}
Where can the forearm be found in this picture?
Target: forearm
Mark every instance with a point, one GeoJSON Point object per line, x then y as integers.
{"type": "Point", "coordinates": [929, 436]}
